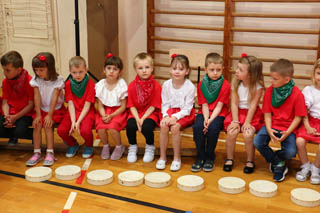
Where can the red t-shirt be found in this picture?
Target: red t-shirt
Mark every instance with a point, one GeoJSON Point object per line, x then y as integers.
{"type": "Point", "coordinates": [17, 103]}
{"type": "Point", "coordinates": [154, 101]}
{"type": "Point", "coordinates": [89, 96]}
{"type": "Point", "coordinates": [283, 116]}
{"type": "Point", "coordinates": [223, 97]}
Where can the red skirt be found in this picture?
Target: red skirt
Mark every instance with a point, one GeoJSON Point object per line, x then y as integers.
{"type": "Point", "coordinates": [57, 115]}
{"type": "Point", "coordinates": [257, 120]}
{"type": "Point", "coordinates": [118, 122]}
{"type": "Point", "coordinates": [186, 120]}
{"type": "Point", "coordinates": [302, 132]}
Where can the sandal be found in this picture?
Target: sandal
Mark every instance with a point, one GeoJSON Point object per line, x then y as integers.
{"type": "Point", "coordinates": [175, 166]}
{"type": "Point", "coordinates": [36, 157]}
{"type": "Point", "coordinates": [49, 159]}
{"type": "Point", "coordinates": [226, 167]}
{"type": "Point", "coordinates": [248, 169]}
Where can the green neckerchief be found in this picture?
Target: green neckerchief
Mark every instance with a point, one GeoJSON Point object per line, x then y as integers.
{"type": "Point", "coordinates": [279, 95]}
{"type": "Point", "coordinates": [78, 88]}
{"type": "Point", "coordinates": [211, 88]}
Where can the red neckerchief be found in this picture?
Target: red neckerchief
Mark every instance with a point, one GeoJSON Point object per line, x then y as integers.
{"type": "Point", "coordinates": [144, 89]}
{"type": "Point", "coordinates": [17, 85]}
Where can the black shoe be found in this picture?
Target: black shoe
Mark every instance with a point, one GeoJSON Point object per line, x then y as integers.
{"type": "Point", "coordinates": [12, 141]}
{"type": "Point", "coordinates": [280, 173]}
{"type": "Point", "coordinates": [248, 169]}
{"type": "Point", "coordinates": [208, 166]}
{"type": "Point", "coordinates": [197, 166]}
{"type": "Point", "coordinates": [228, 168]}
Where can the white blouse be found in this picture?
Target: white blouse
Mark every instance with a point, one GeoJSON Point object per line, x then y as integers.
{"type": "Point", "coordinates": [243, 93]}
{"type": "Point", "coordinates": [182, 98]}
{"type": "Point", "coordinates": [312, 99]}
{"type": "Point", "coordinates": [111, 97]}
{"type": "Point", "coordinates": [46, 89]}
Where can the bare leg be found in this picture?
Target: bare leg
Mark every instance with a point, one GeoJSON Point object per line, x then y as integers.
{"type": "Point", "coordinates": [248, 139]}
{"type": "Point", "coordinates": [317, 160]}
{"type": "Point", "coordinates": [230, 145]}
{"type": "Point", "coordinates": [115, 136]}
{"type": "Point", "coordinates": [164, 130]}
{"type": "Point", "coordinates": [49, 136]}
{"type": "Point", "coordinates": [176, 141]}
{"type": "Point", "coordinates": [37, 137]}
{"type": "Point", "coordinates": [103, 136]}
{"type": "Point", "coordinates": [302, 150]}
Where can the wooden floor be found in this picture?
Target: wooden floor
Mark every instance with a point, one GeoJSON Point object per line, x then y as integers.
{"type": "Point", "coordinates": [19, 195]}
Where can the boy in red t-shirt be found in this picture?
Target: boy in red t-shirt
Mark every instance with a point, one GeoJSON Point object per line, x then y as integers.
{"type": "Point", "coordinates": [283, 107]}
{"type": "Point", "coordinates": [17, 103]}
{"type": "Point", "coordinates": [80, 96]}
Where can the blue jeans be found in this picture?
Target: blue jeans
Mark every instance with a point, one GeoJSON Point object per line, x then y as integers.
{"type": "Point", "coordinates": [205, 151]}
{"type": "Point", "coordinates": [288, 147]}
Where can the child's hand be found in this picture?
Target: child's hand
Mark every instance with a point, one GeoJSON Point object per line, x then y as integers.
{"type": "Point", "coordinates": [312, 131]}
{"type": "Point", "coordinates": [283, 136]}
{"type": "Point", "coordinates": [48, 121]}
{"type": "Point", "coordinates": [173, 120]}
{"type": "Point", "coordinates": [233, 127]}
{"type": "Point", "coordinates": [72, 128]}
{"type": "Point", "coordinates": [37, 122]}
{"type": "Point", "coordinates": [271, 133]}
{"type": "Point", "coordinates": [247, 128]}
{"type": "Point", "coordinates": [13, 119]}
{"type": "Point", "coordinates": [205, 125]}
{"type": "Point", "coordinates": [107, 119]}
{"type": "Point", "coordinates": [139, 124]}
{"type": "Point", "coordinates": [77, 126]}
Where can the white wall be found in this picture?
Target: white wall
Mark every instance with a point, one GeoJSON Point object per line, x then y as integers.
{"type": "Point", "coordinates": [132, 33]}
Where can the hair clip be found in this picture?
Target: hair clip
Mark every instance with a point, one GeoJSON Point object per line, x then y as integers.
{"type": "Point", "coordinates": [109, 55]}
{"type": "Point", "coordinates": [244, 55]}
{"type": "Point", "coordinates": [174, 55]}
{"type": "Point", "coordinates": [42, 58]}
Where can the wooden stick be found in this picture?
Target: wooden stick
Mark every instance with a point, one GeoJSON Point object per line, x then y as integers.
{"type": "Point", "coordinates": [278, 1]}
{"type": "Point", "coordinates": [186, 40]}
{"type": "Point", "coordinates": [274, 45]}
{"type": "Point", "coordinates": [175, 12]}
{"type": "Point", "coordinates": [274, 31]}
{"type": "Point", "coordinates": [150, 28]}
{"type": "Point", "coordinates": [273, 60]}
{"type": "Point", "coordinates": [188, 27]}
{"type": "Point", "coordinates": [268, 15]}
{"type": "Point", "coordinates": [303, 77]}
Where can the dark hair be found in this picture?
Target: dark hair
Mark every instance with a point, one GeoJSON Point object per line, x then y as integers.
{"type": "Point", "coordinates": [45, 59]}
{"type": "Point", "coordinates": [284, 67]}
{"type": "Point", "coordinates": [12, 57]}
{"type": "Point", "coordinates": [114, 60]}
{"type": "Point", "coordinates": [183, 60]}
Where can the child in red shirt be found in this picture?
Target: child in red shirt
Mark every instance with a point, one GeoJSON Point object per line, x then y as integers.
{"type": "Point", "coordinates": [17, 103]}
{"type": "Point", "coordinates": [283, 107]}
{"type": "Point", "coordinates": [80, 96]}
{"type": "Point", "coordinates": [144, 102]}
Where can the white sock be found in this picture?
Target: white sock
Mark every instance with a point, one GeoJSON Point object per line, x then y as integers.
{"type": "Point", "coordinates": [37, 150]}
{"type": "Point", "coordinates": [50, 150]}
{"type": "Point", "coordinates": [106, 145]}
{"type": "Point", "coordinates": [119, 146]}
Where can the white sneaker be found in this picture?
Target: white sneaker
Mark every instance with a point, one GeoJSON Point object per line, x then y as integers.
{"type": "Point", "coordinates": [132, 153]}
{"type": "Point", "coordinates": [175, 166]}
{"type": "Point", "coordinates": [304, 173]}
{"type": "Point", "coordinates": [315, 176]}
{"type": "Point", "coordinates": [161, 164]}
{"type": "Point", "coordinates": [148, 153]}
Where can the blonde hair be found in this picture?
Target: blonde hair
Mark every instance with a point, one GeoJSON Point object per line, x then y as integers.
{"type": "Point", "coordinates": [255, 73]}
{"type": "Point", "coordinates": [76, 61]}
{"type": "Point", "coordinates": [316, 66]}
{"type": "Point", "coordinates": [142, 56]}
{"type": "Point", "coordinates": [213, 58]}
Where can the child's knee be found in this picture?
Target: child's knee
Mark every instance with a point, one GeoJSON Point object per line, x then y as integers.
{"type": "Point", "coordinates": [175, 129]}
{"type": "Point", "coordinates": [301, 142]}
{"type": "Point", "coordinates": [164, 128]}
{"type": "Point", "coordinates": [290, 153]}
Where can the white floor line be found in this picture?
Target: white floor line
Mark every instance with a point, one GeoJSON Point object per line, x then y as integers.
{"type": "Point", "coordinates": [96, 142]}
{"type": "Point", "coordinates": [86, 164]}
{"type": "Point", "coordinates": [70, 200]}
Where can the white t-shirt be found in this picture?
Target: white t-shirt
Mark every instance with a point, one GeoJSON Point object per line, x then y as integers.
{"type": "Point", "coordinates": [243, 93]}
{"type": "Point", "coordinates": [312, 99]}
{"type": "Point", "coordinates": [46, 89]}
{"type": "Point", "coordinates": [182, 98]}
{"type": "Point", "coordinates": [111, 97]}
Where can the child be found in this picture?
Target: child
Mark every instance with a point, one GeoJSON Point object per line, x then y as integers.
{"type": "Point", "coordinates": [80, 94]}
{"type": "Point", "coordinates": [48, 101]}
{"type": "Point", "coordinates": [213, 97]}
{"type": "Point", "coordinates": [17, 103]}
{"type": "Point", "coordinates": [112, 95]}
{"type": "Point", "coordinates": [310, 131]}
{"type": "Point", "coordinates": [245, 115]}
{"type": "Point", "coordinates": [177, 109]}
{"type": "Point", "coordinates": [283, 107]}
{"type": "Point", "coordinates": [144, 102]}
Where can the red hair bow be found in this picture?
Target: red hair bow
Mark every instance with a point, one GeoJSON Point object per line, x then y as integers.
{"type": "Point", "coordinates": [244, 55]}
{"type": "Point", "coordinates": [42, 58]}
{"type": "Point", "coordinates": [109, 55]}
{"type": "Point", "coordinates": [173, 55]}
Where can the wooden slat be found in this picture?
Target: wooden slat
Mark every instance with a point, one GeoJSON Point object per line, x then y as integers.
{"type": "Point", "coordinates": [150, 29]}
{"type": "Point", "coordinates": [318, 51]}
{"type": "Point", "coordinates": [236, 29]}
{"type": "Point", "coordinates": [176, 12]}
{"type": "Point", "coordinates": [168, 65]}
{"type": "Point", "coordinates": [273, 60]}
{"type": "Point", "coordinates": [160, 51]}
{"type": "Point", "coordinates": [302, 77]}
{"type": "Point", "coordinates": [235, 43]}
{"type": "Point", "coordinates": [187, 27]}
{"type": "Point", "coordinates": [268, 15]}
{"type": "Point", "coordinates": [279, 1]}
{"type": "Point", "coordinates": [186, 40]}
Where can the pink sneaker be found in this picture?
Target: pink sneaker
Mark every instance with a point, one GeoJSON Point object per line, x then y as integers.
{"type": "Point", "coordinates": [117, 152]}
{"type": "Point", "coordinates": [49, 159]}
{"type": "Point", "coordinates": [105, 153]}
{"type": "Point", "coordinates": [36, 157]}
